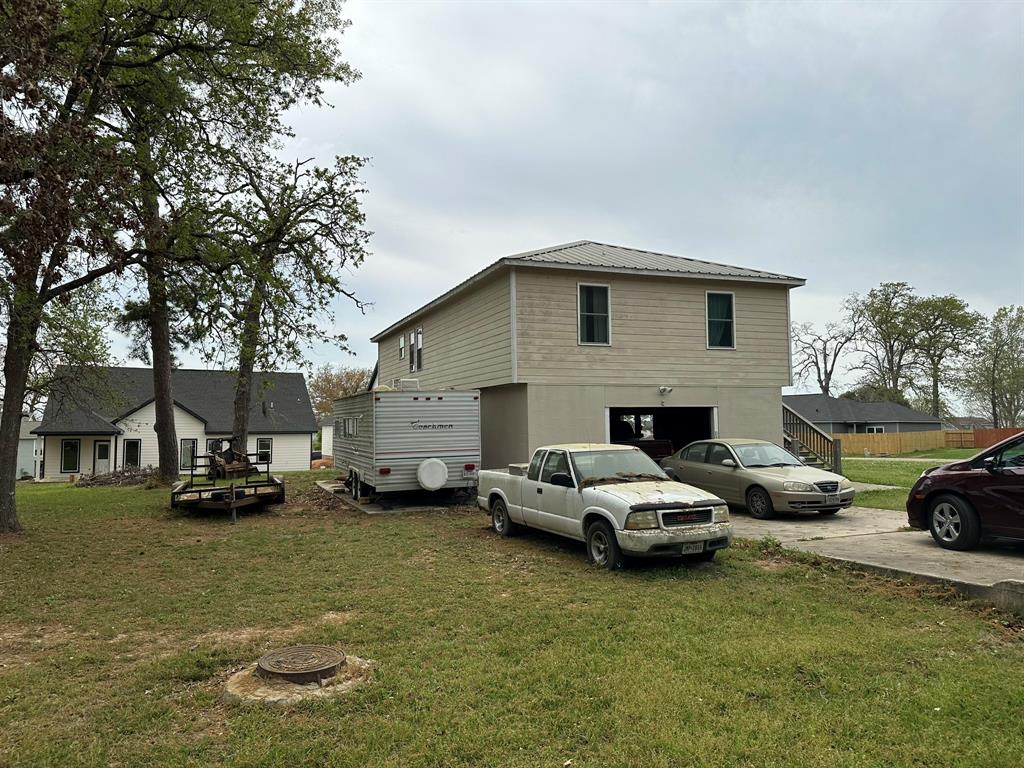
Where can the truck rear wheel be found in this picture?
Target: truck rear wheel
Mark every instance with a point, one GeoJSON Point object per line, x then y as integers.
{"type": "Point", "coordinates": [500, 521]}
{"type": "Point", "coordinates": [602, 546]}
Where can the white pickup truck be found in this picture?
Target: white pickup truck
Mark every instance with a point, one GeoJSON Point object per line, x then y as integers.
{"type": "Point", "coordinates": [613, 497]}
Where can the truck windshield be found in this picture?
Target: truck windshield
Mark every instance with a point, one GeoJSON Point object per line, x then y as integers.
{"type": "Point", "coordinates": [610, 466]}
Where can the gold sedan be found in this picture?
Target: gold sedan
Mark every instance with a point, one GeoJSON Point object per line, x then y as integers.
{"type": "Point", "coordinates": [759, 475]}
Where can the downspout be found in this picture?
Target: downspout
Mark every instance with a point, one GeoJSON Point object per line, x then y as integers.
{"type": "Point", "coordinates": [512, 323]}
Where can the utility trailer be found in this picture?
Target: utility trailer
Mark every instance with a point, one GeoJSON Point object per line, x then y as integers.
{"type": "Point", "coordinates": [227, 480]}
{"type": "Point", "coordinates": [407, 440]}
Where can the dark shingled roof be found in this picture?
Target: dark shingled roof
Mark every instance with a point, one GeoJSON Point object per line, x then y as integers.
{"type": "Point", "coordinates": [113, 393]}
{"type": "Point", "coordinates": [839, 410]}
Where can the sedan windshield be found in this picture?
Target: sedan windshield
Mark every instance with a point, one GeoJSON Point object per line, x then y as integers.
{"type": "Point", "coordinates": [765, 455]}
{"type": "Point", "coordinates": [610, 466]}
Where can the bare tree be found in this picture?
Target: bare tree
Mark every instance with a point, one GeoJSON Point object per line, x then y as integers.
{"type": "Point", "coordinates": [817, 353]}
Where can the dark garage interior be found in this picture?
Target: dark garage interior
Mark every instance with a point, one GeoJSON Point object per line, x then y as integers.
{"type": "Point", "coordinates": [660, 431]}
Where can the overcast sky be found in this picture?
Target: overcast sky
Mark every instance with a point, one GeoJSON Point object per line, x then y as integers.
{"type": "Point", "coordinates": [844, 143]}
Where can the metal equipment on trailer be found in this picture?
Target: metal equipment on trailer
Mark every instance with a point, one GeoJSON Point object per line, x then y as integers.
{"type": "Point", "coordinates": [228, 480]}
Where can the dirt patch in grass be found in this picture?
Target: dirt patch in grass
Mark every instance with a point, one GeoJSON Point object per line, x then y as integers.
{"type": "Point", "coordinates": [246, 686]}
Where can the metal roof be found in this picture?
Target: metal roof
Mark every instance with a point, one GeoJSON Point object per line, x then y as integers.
{"type": "Point", "coordinates": [280, 401]}
{"type": "Point", "coordinates": [591, 256]}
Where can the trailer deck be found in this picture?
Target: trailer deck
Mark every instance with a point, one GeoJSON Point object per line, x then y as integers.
{"type": "Point", "coordinates": [205, 489]}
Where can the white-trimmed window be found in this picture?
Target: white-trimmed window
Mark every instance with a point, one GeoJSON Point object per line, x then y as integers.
{"type": "Point", "coordinates": [132, 453]}
{"type": "Point", "coordinates": [401, 347]}
{"type": "Point", "coordinates": [721, 319]}
{"type": "Point", "coordinates": [874, 430]}
{"type": "Point", "coordinates": [188, 453]}
{"type": "Point", "coordinates": [265, 449]}
{"type": "Point", "coordinates": [70, 455]}
{"type": "Point", "coordinates": [593, 303]}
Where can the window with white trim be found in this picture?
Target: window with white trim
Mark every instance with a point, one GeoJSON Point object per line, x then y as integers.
{"type": "Point", "coordinates": [70, 453]}
{"type": "Point", "coordinates": [132, 453]}
{"type": "Point", "coordinates": [594, 306]}
{"type": "Point", "coordinates": [401, 347]}
{"type": "Point", "coordinates": [265, 449]}
{"type": "Point", "coordinates": [188, 453]}
{"type": "Point", "coordinates": [874, 430]}
{"type": "Point", "coordinates": [721, 320]}
{"type": "Point", "coordinates": [419, 349]}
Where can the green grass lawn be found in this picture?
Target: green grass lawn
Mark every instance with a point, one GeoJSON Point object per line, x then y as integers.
{"type": "Point", "coordinates": [902, 474]}
{"type": "Point", "coordinates": [120, 621]}
{"type": "Point", "coordinates": [947, 454]}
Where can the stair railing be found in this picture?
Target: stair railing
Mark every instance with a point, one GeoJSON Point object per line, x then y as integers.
{"type": "Point", "coordinates": [799, 432]}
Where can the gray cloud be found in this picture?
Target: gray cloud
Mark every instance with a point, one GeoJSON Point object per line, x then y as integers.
{"type": "Point", "coordinates": [845, 143]}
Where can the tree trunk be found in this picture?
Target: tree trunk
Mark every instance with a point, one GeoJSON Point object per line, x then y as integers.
{"type": "Point", "coordinates": [22, 327]}
{"type": "Point", "coordinates": [159, 321]}
{"type": "Point", "coordinates": [935, 392]}
{"type": "Point", "coordinates": [247, 348]}
{"type": "Point", "coordinates": [160, 342]}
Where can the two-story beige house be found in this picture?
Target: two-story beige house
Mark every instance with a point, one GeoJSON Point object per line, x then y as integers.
{"type": "Point", "coordinates": [594, 342]}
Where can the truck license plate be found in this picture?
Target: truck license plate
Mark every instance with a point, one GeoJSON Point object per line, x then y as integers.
{"type": "Point", "coordinates": [691, 547]}
{"type": "Point", "coordinates": [832, 498]}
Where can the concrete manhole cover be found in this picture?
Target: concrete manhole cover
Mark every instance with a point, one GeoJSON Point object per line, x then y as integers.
{"type": "Point", "coordinates": [301, 663]}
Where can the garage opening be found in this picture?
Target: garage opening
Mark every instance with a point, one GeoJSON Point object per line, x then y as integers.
{"type": "Point", "coordinates": [660, 432]}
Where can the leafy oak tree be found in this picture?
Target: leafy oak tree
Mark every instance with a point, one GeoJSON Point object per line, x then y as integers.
{"type": "Point", "coordinates": [330, 382]}
{"type": "Point", "coordinates": [993, 378]}
{"type": "Point", "coordinates": [946, 329]}
{"type": "Point", "coordinates": [889, 325]}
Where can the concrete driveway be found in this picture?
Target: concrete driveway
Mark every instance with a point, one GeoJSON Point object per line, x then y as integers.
{"type": "Point", "coordinates": [877, 540]}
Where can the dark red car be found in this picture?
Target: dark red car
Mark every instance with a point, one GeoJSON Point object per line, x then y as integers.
{"type": "Point", "coordinates": [981, 497]}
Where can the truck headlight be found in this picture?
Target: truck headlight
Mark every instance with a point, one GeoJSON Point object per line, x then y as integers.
{"type": "Point", "coordinates": [845, 484]}
{"type": "Point", "coordinates": [720, 514]}
{"type": "Point", "coordinates": [640, 521]}
{"type": "Point", "coordinates": [795, 485]}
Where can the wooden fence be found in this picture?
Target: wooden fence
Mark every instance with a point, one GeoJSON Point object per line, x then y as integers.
{"type": "Point", "coordinates": [959, 438]}
{"type": "Point", "coordinates": [983, 438]}
{"type": "Point", "coordinates": [890, 442]}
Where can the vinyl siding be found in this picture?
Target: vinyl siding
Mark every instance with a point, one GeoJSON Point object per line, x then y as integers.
{"type": "Point", "coordinates": [52, 457]}
{"type": "Point", "coordinates": [290, 451]}
{"type": "Point", "coordinates": [139, 425]}
{"type": "Point", "coordinates": [467, 342]}
{"type": "Point", "coordinates": [658, 332]}
{"type": "Point", "coordinates": [326, 440]}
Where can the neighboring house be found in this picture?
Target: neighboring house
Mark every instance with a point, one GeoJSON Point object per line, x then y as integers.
{"type": "Point", "coordinates": [838, 415]}
{"type": "Point", "coordinates": [112, 425]}
{"type": "Point", "coordinates": [30, 450]}
{"type": "Point", "coordinates": [592, 342]}
{"type": "Point", "coordinates": [970, 422]}
{"type": "Point", "coordinates": [326, 436]}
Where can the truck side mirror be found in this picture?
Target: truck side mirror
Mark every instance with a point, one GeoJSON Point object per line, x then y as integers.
{"type": "Point", "coordinates": [563, 480]}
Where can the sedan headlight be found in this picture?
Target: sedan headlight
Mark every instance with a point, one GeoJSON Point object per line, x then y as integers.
{"type": "Point", "coordinates": [795, 485]}
{"type": "Point", "coordinates": [720, 514]}
{"type": "Point", "coordinates": [845, 484]}
{"type": "Point", "coordinates": [640, 521]}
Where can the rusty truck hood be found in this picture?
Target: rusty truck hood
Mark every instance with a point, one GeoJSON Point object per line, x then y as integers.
{"type": "Point", "coordinates": [652, 492]}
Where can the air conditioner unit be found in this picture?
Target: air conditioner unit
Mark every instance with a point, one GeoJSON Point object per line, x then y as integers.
{"type": "Point", "coordinates": [406, 385]}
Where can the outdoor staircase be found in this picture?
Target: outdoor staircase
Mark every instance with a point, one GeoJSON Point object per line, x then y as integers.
{"type": "Point", "coordinates": [814, 447]}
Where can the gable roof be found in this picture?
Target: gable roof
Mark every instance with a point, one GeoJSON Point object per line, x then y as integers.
{"type": "Point", "coordinates": [206, 394]}
{"type": "Point", "coordinates": [590, 256]}
{"type": "Point", "coordinates": [25, 432]}
{"type": "Point", "coordinates": [839, 410]}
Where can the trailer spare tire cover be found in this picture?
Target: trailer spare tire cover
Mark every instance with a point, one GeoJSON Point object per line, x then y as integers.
{"type": "Point", "coordinates": [432, 474]}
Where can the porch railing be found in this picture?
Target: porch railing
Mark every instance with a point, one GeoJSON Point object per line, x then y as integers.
{"type": "Point", "coordinates": [804, 439]}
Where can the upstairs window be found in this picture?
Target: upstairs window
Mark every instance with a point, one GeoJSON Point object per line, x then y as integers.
{"type": "Point", "coordinates": [416, 350]}
{"type": "Point", "coordinates": [594, 314]}
{"type": "Point", "coordinates": [721, 321]}
{"type": "Point", "coordinates": [401, 347]}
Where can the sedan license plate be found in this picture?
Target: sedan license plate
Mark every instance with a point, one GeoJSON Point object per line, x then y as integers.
{"type": "Point", "coordinates": [832, 498]}
{"type": "Point", "coordinates": [691, 547]}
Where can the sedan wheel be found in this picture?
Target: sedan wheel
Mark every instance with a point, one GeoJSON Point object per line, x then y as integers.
{"type": "Point", "coordinates": [954, 524]}
{"type": "Point", "coordinates": [759, 504]}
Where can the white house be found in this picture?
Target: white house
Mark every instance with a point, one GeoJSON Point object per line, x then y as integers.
{"type": "Point", "coordinates": [112, 425]}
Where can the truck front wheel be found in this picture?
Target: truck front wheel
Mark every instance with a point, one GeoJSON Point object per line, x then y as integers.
{"type": "Point", "coordinates": [500, 521]}
{"type": "Point", "coordinates": [602, 546]}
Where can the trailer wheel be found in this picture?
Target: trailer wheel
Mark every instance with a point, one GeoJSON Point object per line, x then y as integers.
{"type": "Point", "coordinates": [356, 484]}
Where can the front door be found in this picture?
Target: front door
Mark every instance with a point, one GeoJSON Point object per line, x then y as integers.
{"type": "Point", "coordinates": [101, 457]}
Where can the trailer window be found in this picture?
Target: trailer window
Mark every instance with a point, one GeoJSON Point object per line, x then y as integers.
{"type": "Point", "coordinates": [534, 472]}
